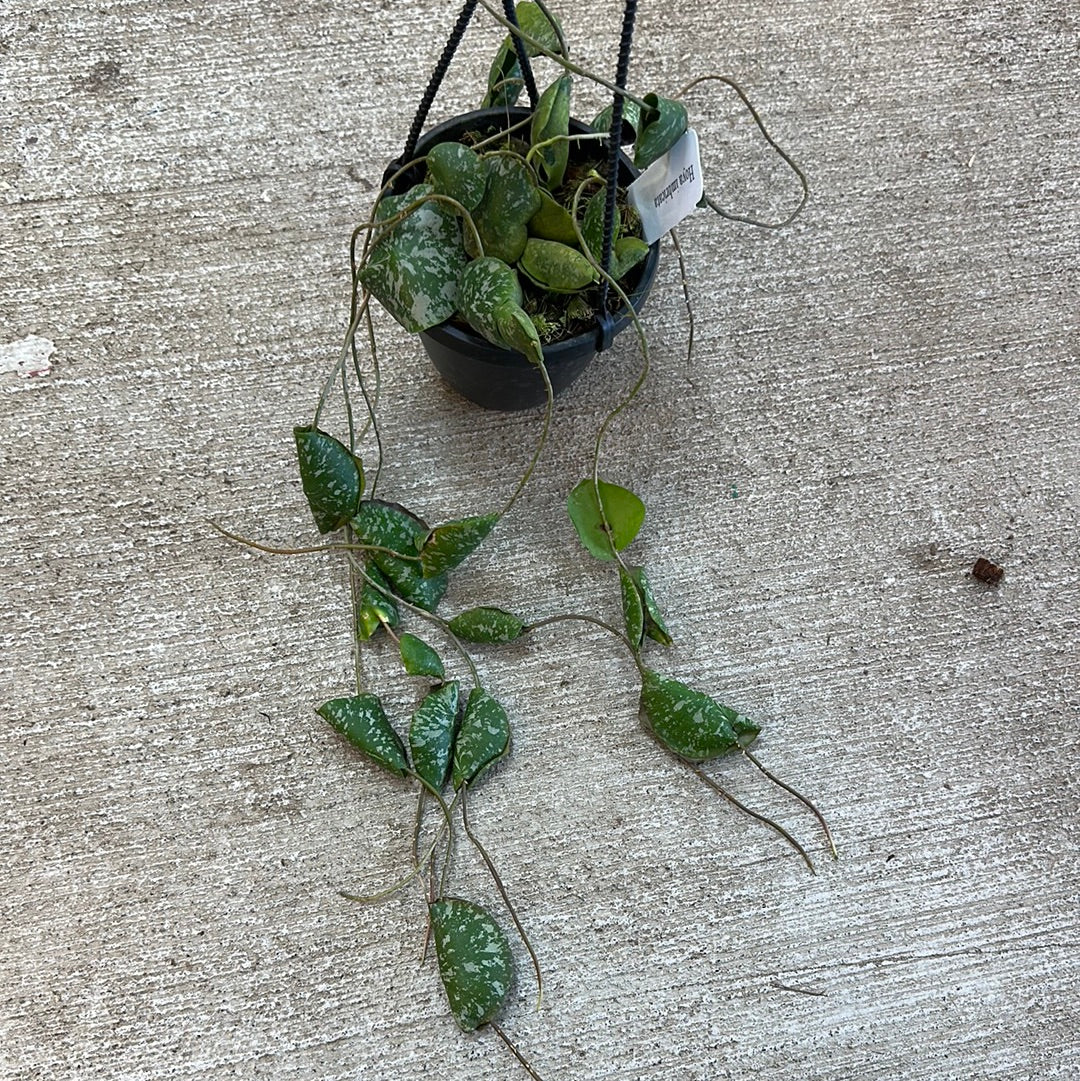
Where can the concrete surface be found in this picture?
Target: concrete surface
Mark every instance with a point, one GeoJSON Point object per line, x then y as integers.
{"type": "Point", "coordinates": [881, 394]}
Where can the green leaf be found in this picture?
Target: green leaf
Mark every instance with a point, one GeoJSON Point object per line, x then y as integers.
{"type": "Point", "coordinates": [536, 25]}
{"type": "Point", "coordinates": [413, 270]}
{"type": "Point", "coordinates": [389, 526]}
{"type": "Point", "coordinates": [504, 78]}
{"type": "Point", "coordinates": [552, 221]}
{"type": "Point", "coordinates": [419, 658]}
{"type": "Point", "coordinates": [626, 254]}
{"type": "Point", "coordinates": [556, 267]}
{"type": "Point", "coordinates": [457, 171]}
{"type": "Point", "coordinates": [624, 512]}
{"type": "Point", "coordinates": [654, 620]}
{"type": "Point", "coordinates": [691, 724]}
{"type": "Point", "coordinates": [375, 608]}
{"type": "Point", "coordinates": [363, 723]}
{"type": "Point", "coordinates": [475, 962]}
{"type": "Point", "coordinates": [448, 545]}
{"type": "Point", "coordinates": [633, 609]}
{"type": "Point", "coordinates": [431, 734]}
{"type": "Point", "coordinates": [490, 300]}
{"type": "Point", "coordinates": [510, 200]}
{"type": "Point", "coordinates": [662, 125]}
{"type": "Point", "coordinates": [483, 738]}
{"type": "Point", "coordinates": [552, 118]}
{"type": "Point", "coordinates": [331, 476]}
{"type": "Point", "coordinates": [487, 625]}
{"type": "Point", "coordinates": [631, 120]}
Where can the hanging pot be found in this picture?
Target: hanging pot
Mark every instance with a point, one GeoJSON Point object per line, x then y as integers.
{"type": "Point", "coordinates": [488, 374]}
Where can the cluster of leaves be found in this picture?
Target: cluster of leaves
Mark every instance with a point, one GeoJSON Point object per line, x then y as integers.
{"type": "Point", "coordinates": [453, 738]}
{"type": "Point", "coordinates": [460, 242]}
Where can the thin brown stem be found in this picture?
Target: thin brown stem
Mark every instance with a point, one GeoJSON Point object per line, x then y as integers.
{"type": "Point", "coordinates": [754, 814]}
{"type": "Point", "coordinates": [515, 1052]}
{"type": "Point", "coordinates": [503, 894]}
{"type": "Point", "coordinates": [805, 801]}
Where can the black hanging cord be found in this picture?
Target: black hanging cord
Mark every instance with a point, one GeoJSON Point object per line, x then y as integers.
{"type": "Point", "coordinates": [604, 318]}
{"type": "Point", "coordinates": [439, 73]}
{"type": "Point", "coordinates": [522, 56]}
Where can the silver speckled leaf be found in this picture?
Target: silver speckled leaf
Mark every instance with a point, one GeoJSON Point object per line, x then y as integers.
{"type": "Point", "coordinates": [475, 962]}
{"type": "Point", "coordinates": [413, 271]}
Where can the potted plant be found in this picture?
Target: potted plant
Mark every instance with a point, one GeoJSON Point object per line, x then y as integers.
{"type": "Point", "coordinates": [506, 239]}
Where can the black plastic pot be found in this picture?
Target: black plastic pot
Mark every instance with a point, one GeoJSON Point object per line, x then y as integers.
{"type": "Point", "coordinates": [487, 374]}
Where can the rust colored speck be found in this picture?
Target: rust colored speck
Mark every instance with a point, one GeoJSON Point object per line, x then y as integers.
{"type": "Point", "coordinates": [987, 572]}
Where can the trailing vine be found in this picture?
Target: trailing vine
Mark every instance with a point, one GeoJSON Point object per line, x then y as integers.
{"type": "Point", "coordinates": [515, 232]}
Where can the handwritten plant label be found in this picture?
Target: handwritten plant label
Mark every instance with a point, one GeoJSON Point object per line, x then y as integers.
{"type": "Point", "coordinates": [670, 189]}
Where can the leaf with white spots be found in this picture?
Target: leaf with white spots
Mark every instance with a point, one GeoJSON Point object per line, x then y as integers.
{"type": "Point", "coordinates": [484, 737]}
{"type": "Point", "coordinates": [331, 476]}
{"type": "Point", "coordinates": [487, 625]}
{"type": "Point", "coordinates": [510, 200]}
{"type": "Point", "coordinates": [633, 609]}
{"type": "Point", "coordinates": [362, 721]}
{"type": "Point", "coordinates": [691, 724]}
{"type": "Point", "coordinates": [431, 734]}
{"type": "Point", "coordinates": [386, 525]}
{"type": "Point", "coordinates": [448, 545]}
{"type": "Point", "coordinates": [655, 627]}
{"type": "Point", "coordinates": [475, 962]}
{"type": "Point", "coordinates": [413, 270]}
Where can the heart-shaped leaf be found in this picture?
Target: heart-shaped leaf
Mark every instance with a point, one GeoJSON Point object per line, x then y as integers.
{"type": "Point", "coordinates": [362, 721]}
{"type": "Point", "coordinates": [475, 962]}
{"type": "Point", "coordinates": [691, 724]}
{"type": "Point", "coordinates": [418, 658]}
{"type": "Point", "coordinates": [510, 200]}
{"type": "Point", "coordinates": [551, 119]}
{"type": "Point", "coordinates": [623, 510]}
{"type": "Point", "coordinates": [331, 476]}
{"type": "Point", "coordinates": [413, 270]}
{"type": "Point", "coordinates": [662, 125]}
{"type": "Point", "coordinates": [487, 625]}
{"type": "Point", "coordinates": [448, 545]}
{"type": "Point", "coordinates": [483, 738]}
{"type": "Point", "coordinates": [556, 267]}
{"type": "Point", "coordinates": [457, 171]}
{"type": "Point", "coordinates": [490, 300]}
{"type": "Point", "coordinates": [633, 609]}
{"type": "Point", "coordinates": [431, 734]}
{"type": "Point", "coordinates": [390, 526]}
{"type": "Point", "coordinates": [375, 608]}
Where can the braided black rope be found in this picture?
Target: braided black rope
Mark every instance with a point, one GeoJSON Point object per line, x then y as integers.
{"type": "Point", "coordinates": [432, 89]}
{"type": "Point", "coordinates": [441, 68]}
{"type": "Point", "coordinates": [607, 324]}
{"type": "Point", "coordinates": [522, 55]}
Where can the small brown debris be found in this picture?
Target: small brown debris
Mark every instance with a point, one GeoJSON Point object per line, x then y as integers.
{"type": "Point", "coordinates": [987, 572]}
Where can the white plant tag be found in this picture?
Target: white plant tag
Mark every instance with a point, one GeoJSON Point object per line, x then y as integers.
{"type": "Point", "coordinates": [669, 189]}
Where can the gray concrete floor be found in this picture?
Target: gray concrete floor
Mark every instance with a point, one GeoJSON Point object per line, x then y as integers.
{"type": "Point", "coordinates": [881, 394]}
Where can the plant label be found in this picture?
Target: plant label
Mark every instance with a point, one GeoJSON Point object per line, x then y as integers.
{"type": "Point", "coordinates": [670, 189]}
